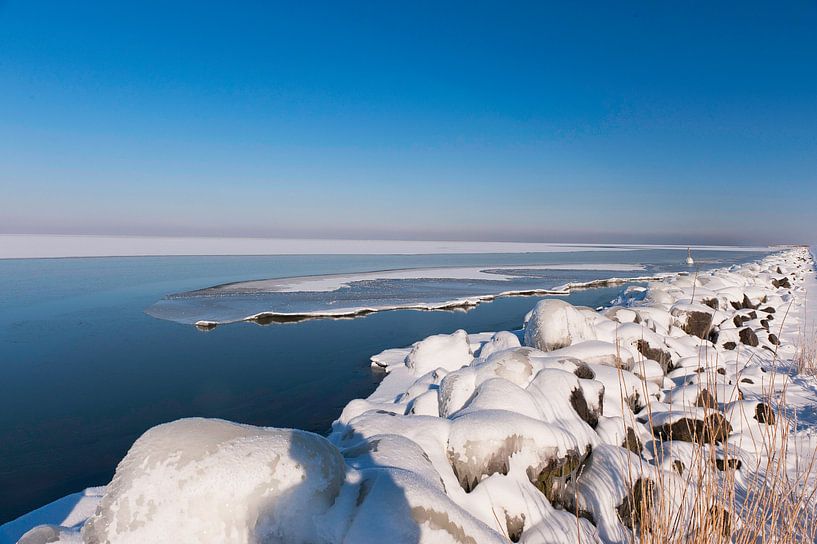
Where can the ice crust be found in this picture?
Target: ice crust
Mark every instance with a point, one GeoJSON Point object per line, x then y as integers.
{"type": "Point", "coordinates": [28, 246]}
{"type": "Point", "coordinates": [481, 438]}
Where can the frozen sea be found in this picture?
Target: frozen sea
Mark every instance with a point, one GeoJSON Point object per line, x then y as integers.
{"type": "Point", "coordinates": [86, 369]}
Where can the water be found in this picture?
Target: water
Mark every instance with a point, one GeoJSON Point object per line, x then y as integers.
{"type": "Point", "coordinates": [85, 370]}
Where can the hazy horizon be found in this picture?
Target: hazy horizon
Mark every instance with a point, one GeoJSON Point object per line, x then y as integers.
{"type": "Point", "coordinates": [600, 123]}
{"type": "Point", "coordinates": [567, 238]}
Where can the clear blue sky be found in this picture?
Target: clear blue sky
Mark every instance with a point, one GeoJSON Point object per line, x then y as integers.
{"type": "Point", "coordinates": [610, 121]}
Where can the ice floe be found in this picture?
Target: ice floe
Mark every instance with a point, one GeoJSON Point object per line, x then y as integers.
{"type": "Point", "coordinates": [349, 295]}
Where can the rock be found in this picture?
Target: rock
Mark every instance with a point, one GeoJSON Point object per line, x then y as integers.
{"type": "Point", "coordinates": [729, 345]}
{"type": "Point", "coordinates": [584, 372]}
{"type": "Point", "coordinates": [631, 442]}
{"type": "Point", "coordinates": [206, 325]}
{"type": "Point", "coordinates": [784, 283]}
{"type": "Point", "coordinates": [500, 341]}
{"type": "Point", "coordinates": [588, 414]}
{"type": "Point", "coordinates": [511, 364]}
{"type": "Point", "coordinates": [555, 324]}
{"type": "Point", "coordinates": [773, 339]}
{"type": "Point", "coordinates": [698, 324]}
{"type": "Point", "coordinates": [598, 352]}
{"type": "Point", "coordinates": [213, 481]}
{"type": "Point", "coordinates": [481, 443]}
{"type": "Point", "coordinates": [448, 351]}
{"type": "Point", "coordinates": [662, 357]}
{"type": "Point", "coordinates": [454, 391]}
{"type": "Point", "coordinates": [42, 534]}
{"type": "Point", "coordinates": [731, 462]}
{"type": "Point", "coordinates": [713, 428]}
{"type": "Point", "coordinates": [694, 320]}
{"type": "Point", "coordinates": [551, 480]}
{"type": "Point", "coordinates": [706, 399]}
{"type": "Point", "coordinates": [636, 505]}
{"type": "Point", "coordinates": [721, 520]}
{"type": "Point", "coordinates": [514, 525]}
{"type": "Point", "coordinates": [764, 414]}
{"type": "Point", "coordinates": [748, 337]}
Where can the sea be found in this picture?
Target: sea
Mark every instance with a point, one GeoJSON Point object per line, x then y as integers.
{"type": "Point", "coordinates": [95, 351]}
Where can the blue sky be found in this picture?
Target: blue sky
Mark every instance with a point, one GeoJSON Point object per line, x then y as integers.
{"type": "Point", "coordinates": [610, 121]}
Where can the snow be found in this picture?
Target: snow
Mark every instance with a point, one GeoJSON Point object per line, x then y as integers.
{"type": "Point", "coordinates": [67, 514]}
{"type": "Point", "coordinates": [556, 324]}
{"type": "Point", "coordinates": [475, 438]}
{"type": "Point", "coordinates": [447, 351]}
{"type": "Point", "coordinates": [206, 480]}
{"type": "Point", "coordinates": [28, 246]}
{"type": "Point", "coordinates": [333, 282]}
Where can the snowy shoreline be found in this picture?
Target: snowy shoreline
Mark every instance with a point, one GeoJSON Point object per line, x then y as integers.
{"type": "Point", "coordinates": [475, 438]}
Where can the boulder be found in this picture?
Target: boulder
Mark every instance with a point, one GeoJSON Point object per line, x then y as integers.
{"type": "Point", "coordinates": [555, 324]}
{"type": "Point", "coordinates": [748, 337]}
{"type": "Point", "coordinates": [712, 428]}
{"type": "Point", "coordinates": [447, 351]}
{"type": "Point", "coordinates": [213, 481]}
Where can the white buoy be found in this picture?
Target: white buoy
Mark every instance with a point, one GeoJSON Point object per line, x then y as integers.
{"type": "Point", "coordinates": [690, 261]}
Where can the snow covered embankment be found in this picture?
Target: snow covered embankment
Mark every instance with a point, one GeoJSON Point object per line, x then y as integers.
{"type": "Point", "coordinates": [659, 419]}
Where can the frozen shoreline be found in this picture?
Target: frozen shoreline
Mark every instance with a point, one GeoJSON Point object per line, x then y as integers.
{"type": "Point", "coordinates": [265, 317]}
{"type": "Point", "coordinates": [34, 246]}
{"type": "Point", "coordinates": [433, 387]}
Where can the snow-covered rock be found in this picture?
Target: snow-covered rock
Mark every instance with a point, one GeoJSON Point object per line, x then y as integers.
{"type": "Point", "coordinates": [557, 324]}
{"type": "Point", "coordinates": [447, 351]}
{"type": "Point", "coordinates": [203, 480]}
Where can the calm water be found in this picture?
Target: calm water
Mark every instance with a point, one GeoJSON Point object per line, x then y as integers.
{"type": "Point", "coordinates": [85, 371]}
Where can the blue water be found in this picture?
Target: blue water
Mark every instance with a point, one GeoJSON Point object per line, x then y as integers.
{"type": "Point", "coordinates": [85, 370]}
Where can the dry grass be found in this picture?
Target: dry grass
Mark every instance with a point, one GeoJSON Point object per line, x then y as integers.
{"type": "Point", "coordinates": [806, 358]}
{"type": "Point", "coordinates": [770, 500]}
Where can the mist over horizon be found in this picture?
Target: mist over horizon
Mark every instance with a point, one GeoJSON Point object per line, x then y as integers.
{"type": "Point", "coordinates": [566, 238]}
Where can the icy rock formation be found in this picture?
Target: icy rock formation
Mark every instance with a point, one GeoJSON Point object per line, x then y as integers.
{"type": "Point", "coordinates": [500, 341]}
{"type": "Point", "coordinates": [555, 324]}
{"type": "Point", "coordinates": [200, 480]}
{"type": "Point", "coordinates": [447, 351]}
